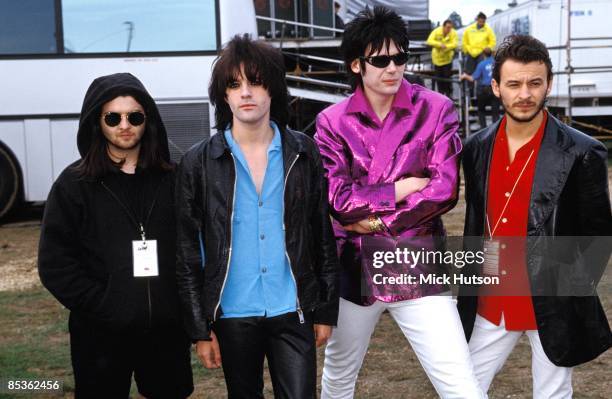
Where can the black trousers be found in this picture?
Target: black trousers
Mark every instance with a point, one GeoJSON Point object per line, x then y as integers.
{"type": "Point", "coordinates": [288, 345]}
{"type": "Point", "coordinates": [486, 97]}
{"type": "Point", "coordinates": [444, 71]}
{"type": "Point", "coordinates": [104, 360]}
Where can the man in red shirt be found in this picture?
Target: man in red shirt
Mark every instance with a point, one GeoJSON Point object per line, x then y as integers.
{"type": "Point", "coordinates": [530, 176]}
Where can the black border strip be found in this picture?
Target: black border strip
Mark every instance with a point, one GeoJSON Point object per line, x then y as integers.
{"type": "Point", "coordinates": [106, 55]}
{"type": "Point", "coordinates": [59, 27]}
{"type": "Point", "coordinates": [20, 118]}
{"type": "Point", "coordinates": [218, 23]}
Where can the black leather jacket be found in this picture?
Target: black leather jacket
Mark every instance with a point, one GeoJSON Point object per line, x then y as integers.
{"type": "Point", "coordinates": [569, 197]}
{"type": "Point", "coordinates": [205, 196]}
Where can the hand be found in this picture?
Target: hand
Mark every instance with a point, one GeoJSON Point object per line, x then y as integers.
{"type": "Point", "coordinates": [409, 185]}
{"type": "Point", "coordinates": [443, 46]}
{"type": "Point", "coordinates": [322, 334]}
{"type": "Point", "coordinates": [465, 76]}
{"type": "Point", "coordinates": [361, 227]}
{"type": "Point", "coordinates": [419, 183]}
{"type": "Point", "coordinates": [209, 353]}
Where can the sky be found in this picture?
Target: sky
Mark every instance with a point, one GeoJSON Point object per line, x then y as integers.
{"type": "Point", "coordinates": [439, 10]}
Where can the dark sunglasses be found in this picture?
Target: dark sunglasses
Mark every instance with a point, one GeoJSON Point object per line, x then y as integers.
{"type": "Point", "coordinates": [113, 119]}
{"type": "Point", "coordinates": [381, 61]}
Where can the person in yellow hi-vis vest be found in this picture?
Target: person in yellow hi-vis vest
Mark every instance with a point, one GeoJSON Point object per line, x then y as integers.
{"type": "Point", "coordinates": [476, 37]}
{"type": "Point", "coordinates": [444, 41]}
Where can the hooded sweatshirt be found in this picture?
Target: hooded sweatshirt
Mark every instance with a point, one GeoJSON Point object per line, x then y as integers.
{"type": "Point", "coordinates": [85, 252]}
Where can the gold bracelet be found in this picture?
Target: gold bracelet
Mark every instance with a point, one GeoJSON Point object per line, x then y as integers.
{"type": "Point", "coordinates": [376, 224]}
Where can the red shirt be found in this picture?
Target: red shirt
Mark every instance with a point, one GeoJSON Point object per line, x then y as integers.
{"type": "Point", "coordinates": [507, 190]}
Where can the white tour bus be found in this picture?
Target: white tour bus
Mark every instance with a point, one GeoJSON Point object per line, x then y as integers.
{"type": "Point", "coordinates": [51, 50]}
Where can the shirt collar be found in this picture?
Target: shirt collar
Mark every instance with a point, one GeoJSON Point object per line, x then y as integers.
{"type": "Point", "coordinates": [535, 140]}
{"type": "Point", "coordinates": [358, 102]}
{"type": "Point", "coordinates": [275, 144]}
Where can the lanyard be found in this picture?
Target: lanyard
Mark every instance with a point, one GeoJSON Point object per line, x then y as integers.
{"type": "Point", "coordinates": [509, 197]}
{"type": "Point", "coordinates": [140, 225]}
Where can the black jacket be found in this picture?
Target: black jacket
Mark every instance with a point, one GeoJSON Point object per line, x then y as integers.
{"type": "Point", "coordinates": [205, 197]}
{"type": "Point", "coordinates": [569, 197]}
{"type": "Point", "coordinates": [85, 250]}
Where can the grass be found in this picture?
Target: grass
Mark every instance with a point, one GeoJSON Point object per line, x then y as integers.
{"type": "Point", "coordinates": [34, 338]}
{"type": "Point", "coordinates": [34, 343]}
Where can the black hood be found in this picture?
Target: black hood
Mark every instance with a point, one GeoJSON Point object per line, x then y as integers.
{"type": "Point", "coordinates": [105, 89]}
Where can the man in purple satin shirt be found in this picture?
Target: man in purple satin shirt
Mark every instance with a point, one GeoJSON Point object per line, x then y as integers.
{"type": "Point", "coordinates": [391, 153]}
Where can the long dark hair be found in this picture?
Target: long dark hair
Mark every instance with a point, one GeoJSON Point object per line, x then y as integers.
{"type": "Point", "coordinates": [375, 28]}
{"type": "Point", "coordinates": [261, 62]}
{"type": "Point", "coordinates": [96, 163]}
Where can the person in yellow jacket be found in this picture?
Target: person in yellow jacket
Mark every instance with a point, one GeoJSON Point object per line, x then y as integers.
{"type": "Point", "coordinates": [443, 41]}
{"type": "Point", "coordinates": [476, 37]}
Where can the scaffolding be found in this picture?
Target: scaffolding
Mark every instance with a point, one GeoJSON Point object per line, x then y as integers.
{"type": "Point", "coordinates": [416, 70]}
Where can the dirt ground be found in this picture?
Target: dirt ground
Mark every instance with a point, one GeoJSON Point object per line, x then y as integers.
{"type": "Point", "coordinates": [391, 369]}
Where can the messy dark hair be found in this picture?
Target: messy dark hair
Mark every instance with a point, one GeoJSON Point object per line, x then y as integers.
{"type": "Point", "coordinates": [481, 15]}
{"type": "Point", "coordinates": [371, 30]}
{"type": "Point", "coordinates": [524, 49]}
{"type": "Point", "coordinates": [262, 63]}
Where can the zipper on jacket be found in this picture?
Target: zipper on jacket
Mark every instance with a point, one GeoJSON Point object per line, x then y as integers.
{"type": "Point", "coordinates": [229, 256]}
{"type": "Point", "coordinates": [150, 307]}
{"type": "Point", "coordinates": [141, 230]}
{"type": "Point", "coordinates": [297, 296]}
{"type": "Point", "coordinates": [139, 226]}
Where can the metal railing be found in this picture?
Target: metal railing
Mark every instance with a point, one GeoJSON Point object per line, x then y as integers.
{"type": "Point", "coordinates": [464, 100]}
{"type": "Point", "coordinates": [302, 24]}
{"type": "Point", "coordinates": [285, 22]}
{"type": "Point", "coordinates": [318, 82]}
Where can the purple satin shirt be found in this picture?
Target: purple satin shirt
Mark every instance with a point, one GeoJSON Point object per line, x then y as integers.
{"type": "Point", "coordinates": [364, 157]}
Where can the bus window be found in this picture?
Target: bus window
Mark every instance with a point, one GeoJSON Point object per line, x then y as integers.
{"type": "Point", "coordinates": [117, 26]}
{"type": "Point", "coordinates": [27, 27]}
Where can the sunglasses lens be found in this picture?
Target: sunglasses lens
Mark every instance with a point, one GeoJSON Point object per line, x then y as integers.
{"type": "Point", "coordinates": [112, 119]}
{"type": "Point", "coordinates": [380, 61]}
{"type": "Point", "coordinates": [136, 118]}
{"type": "Point", "coordinates": [400, 58]}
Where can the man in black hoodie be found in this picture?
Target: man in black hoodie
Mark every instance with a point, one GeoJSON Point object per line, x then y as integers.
{"type": "Point", "coordinates": [107, 249]}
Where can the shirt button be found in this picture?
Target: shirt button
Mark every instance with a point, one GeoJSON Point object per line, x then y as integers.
{"type": "Point", "coordinates": [504, 220]}
{"type": "Point", "coordinates": [262, 236]}
{"type": "Point", "coordinates": [503, 272]}
{"type": "Point", "coordinates": [260, 203]}
{"type": "Point", "coordinates": [507, 195]}
{"type": "Point", "coordinates": [503, 246]}
{"type": "Point", "coordinates": [264, 269]}
{"type": "Point", "coordinates": [507, 168]}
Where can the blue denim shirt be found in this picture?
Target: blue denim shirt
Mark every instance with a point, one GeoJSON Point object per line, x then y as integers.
{"type": "Point", "coordinates": [259, 281]}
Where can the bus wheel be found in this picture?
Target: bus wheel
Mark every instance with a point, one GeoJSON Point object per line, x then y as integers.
{"type": "Point", "coordinates": [10, 182]}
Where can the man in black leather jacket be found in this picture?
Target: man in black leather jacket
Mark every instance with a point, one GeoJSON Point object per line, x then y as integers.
{"type": "Point", "coordinates": [532, 176]}
{"type": "Point", "coordinates": [257, 263]}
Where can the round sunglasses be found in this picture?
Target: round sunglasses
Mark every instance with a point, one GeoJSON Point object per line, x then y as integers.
{"type": "Point", "coordinates": [382, 61]}
{"type": "Point", "coordinates": [135, 118]}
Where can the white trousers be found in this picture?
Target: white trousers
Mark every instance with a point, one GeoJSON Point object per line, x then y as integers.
{"type": "Point", "coordinates": [490, 346]}
{"type": "Point", "coordinates": [431, 325]}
